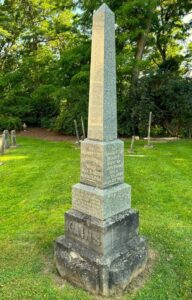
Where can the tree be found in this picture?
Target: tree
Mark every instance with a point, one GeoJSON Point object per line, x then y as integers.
{"type": "Point", "coordinates": [34, 33]}
{"type": "Point", "coordinates": [45, 61]}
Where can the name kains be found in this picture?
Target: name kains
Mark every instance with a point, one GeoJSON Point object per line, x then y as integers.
{"type": "Point", "coordinates": [82, 232]}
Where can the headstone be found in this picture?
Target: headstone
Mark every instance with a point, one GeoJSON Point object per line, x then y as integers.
{"type": "Point", "coordinates": [77, 132]}
{"type": "Point", "coordinates": [101, 250]}
{"type": "Point", "coordinates": [7, 139]}
{"type": "Point", "coordinates": [13, 138]}
{"type": "Point", "coordinates": [2, 144]}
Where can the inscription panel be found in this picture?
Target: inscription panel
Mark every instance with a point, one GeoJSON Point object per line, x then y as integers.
{"type": "Point", "coordinates": [113, 163]}
{"type": "Point", "coordinates": [92, 163]}
{"type": "Point", "coordinates": [118, 201]}
{"type": "Point", "coordinates": [102, 236]}
{"type": "Point", "coordinates": [102, 163]}
{"type": "Point", "coordinates": [101, 204]}
{"type": "Point", "coordinates": [84, 233]}
{"type": "Point", "coordinates": [88, 200]}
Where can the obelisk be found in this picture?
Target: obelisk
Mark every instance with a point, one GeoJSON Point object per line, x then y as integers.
{"type": "Point", "coordinates": [101, 250]}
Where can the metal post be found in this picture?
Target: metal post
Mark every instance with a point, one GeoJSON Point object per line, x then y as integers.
{"type": "Point", "coordinates": [149, 145]}
{"type": "Point", "coordinates": [149, 130]}
{"type": "Point", "coordinates": [83, 128]}
{"type": "Point", "coordinates": [2, 144]}
{"type": "Point", "coordinates": [77, 132]}
{"type": "Point", "coordinates": [132, 144]}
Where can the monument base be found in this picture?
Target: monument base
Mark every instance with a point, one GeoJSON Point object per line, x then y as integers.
{"type": "Point", "coordinates": [102, 270]}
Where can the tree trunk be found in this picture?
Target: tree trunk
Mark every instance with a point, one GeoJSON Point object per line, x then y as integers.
{"type": "Point", "coordinates": [141, 42]}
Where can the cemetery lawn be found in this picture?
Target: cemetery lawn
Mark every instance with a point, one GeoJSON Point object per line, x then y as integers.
{"type": "Point", "coordinates": [35, 191]}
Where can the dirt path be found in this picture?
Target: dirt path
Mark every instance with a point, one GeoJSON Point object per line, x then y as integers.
{"type": "Point", "coordinates": [46, 134]}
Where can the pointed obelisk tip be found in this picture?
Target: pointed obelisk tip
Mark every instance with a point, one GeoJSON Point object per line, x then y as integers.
{"type": "Point", "coordinates": [104, 8]}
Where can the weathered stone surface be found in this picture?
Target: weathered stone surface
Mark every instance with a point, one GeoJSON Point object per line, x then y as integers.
{"type": "Point", "coordinates": [101, 204]}
{"type": "Point", "coordinates": [7, 139]}
{"type": "Point", "coordinates": [101, 250]}
{"type": "Point", "coordinates": [102, 123]}
{"type": "Point", "coordinates": [102, 163]}
{"type": "Point", "coordinates": [13, 138]}
{"type": "Point", "coordinates": [104, 237]}
{"type": "Point", "coordinates": [86, 269]}
{"type": "Point", "coordinates": [2, 144]}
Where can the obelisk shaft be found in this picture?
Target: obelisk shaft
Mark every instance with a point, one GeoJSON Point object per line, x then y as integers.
{"type": "Point", "coordinates": [102, 123]}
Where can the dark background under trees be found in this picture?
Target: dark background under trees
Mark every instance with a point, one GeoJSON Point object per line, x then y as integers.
{"type": "Point", "coordinates": [45, 60]}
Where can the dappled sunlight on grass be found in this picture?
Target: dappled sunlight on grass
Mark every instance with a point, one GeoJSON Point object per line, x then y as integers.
{"type": "Point", "coordinates": [35, 192]}
{"type": "Point", "coordinates": [180, 159]}
{"type": "Point", "coordinates": [13, 157]}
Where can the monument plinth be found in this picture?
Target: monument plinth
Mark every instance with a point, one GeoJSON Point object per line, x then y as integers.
{"type": "Point", "coordinates": [101, 250]}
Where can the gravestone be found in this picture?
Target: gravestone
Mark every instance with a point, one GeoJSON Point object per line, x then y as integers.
{"type": "Point", "coordinates": [13, 138]}
{"type": "Point", "coordinates": [101, 250]}
{"type": "Point", "coordinates": [7, 139]}
{"type": "Point", "coordinates": [2, 144]}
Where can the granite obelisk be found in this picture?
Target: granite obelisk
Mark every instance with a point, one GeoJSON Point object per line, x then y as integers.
{"type": "Point", "coordinates": [101, 250]}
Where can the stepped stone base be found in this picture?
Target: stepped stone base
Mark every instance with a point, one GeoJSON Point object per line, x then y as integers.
{"type": "Point", "coordinates": [107, 266]}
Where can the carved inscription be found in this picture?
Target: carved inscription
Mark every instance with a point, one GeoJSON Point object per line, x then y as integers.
{"type": "Point", "coordinates": [113, 164]}
{"type": "Point", "coordinates": [102, 164]}
{"type": "Point", "coordinates": [89, 203]}
{"type": "Point", "coordinates": [83, 233]}
{"type": "Point", "coordinates": [119, 201]}
{"type": "Point", "coordinates": [92, 164]}
{"type": "Point", "coordinates": [101, 204]}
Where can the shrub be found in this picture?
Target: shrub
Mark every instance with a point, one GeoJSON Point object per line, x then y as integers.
{"type": "Point", "coordinates": [8, 122]}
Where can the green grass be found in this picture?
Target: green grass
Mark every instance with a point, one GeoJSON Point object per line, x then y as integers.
{"type": "Point", "coordinates": [35, 191]}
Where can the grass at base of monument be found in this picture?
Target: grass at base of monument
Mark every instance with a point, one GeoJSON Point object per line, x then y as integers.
{"type": "Point", "coordinates": [35, 191]}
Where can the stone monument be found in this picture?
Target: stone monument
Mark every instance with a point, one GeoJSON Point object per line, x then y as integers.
{"type": "Point", "coordinates": [2, 144]}
{"type": "Point", "coordinates": [101, 250]}
{"type": "Point", "coordinates": [7, 139]}
{"type": "Point", "coordinates": [13, 139]}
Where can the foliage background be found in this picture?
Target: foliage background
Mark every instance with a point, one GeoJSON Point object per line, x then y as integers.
{"type": "Point", "coordinates": [45, 59]}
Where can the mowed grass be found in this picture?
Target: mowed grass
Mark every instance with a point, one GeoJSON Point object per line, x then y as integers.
{"type": "Point", "coordinates": [35, 191]}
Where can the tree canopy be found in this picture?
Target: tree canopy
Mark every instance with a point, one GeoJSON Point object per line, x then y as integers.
{"type": "Point", "coordinates": [45, 60]}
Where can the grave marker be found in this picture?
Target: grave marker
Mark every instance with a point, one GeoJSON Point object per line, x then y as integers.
{"type": "Point", "coordinates": [2, 144]}
{"type": "Point", "coordinates": [7, 139]}
{"type": "Point", "coordinates": [101, 250]}
{"type": "Point", "coordinates": [13, 138]}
